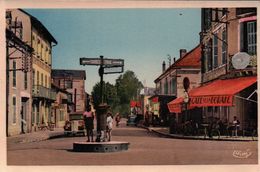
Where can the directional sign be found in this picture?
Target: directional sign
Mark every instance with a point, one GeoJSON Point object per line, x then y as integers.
{"type": "Point", "coordinates": [113, 62]}
{"type": "Point", "coordinates": [89, 61]}
{"type": "Point", "coordinates": [111, 70]}
{"type": "Point", "coordinates": [98, 61]}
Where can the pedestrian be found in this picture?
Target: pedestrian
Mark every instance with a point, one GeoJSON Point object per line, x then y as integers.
{"type": "Point", "coordinates": [235, 123]}
{"type": "Point", "coordinates": [109, 126]}
{"type": "Point", "coordinates": [118, 118]}
{"type": "Point", "coordinates": [89, 123]}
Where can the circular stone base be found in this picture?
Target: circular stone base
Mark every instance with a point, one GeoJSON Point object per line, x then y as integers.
{"type": "Point", "coordinates": [112, 146]}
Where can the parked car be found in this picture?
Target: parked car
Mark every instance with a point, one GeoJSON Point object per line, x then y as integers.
{"type": "Point", "coordinates": [131, 120]}
{"type": "Point", "coordinates": [75, 124]}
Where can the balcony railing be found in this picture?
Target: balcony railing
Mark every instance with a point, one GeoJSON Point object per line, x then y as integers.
{"type": "Point", "coordinates": [43, 92]}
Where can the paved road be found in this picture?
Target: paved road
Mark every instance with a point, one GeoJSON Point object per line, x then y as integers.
{"type": "Point", "coordinates": [145, 149]}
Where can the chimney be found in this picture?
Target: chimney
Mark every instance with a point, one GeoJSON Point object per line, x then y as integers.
{"type": "Point", "coordinates": [182, 52]}
{"type": "Point", "coordinates": [174, 59]}
{"type": "Point", "coordinates": [163, 66]}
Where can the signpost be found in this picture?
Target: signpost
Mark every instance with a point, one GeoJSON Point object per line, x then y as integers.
{"type": "Point", "coordinates": [107, 66]}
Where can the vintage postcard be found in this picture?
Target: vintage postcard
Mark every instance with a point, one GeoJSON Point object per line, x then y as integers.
{"type": "Point", "coordinates": [129, 85]}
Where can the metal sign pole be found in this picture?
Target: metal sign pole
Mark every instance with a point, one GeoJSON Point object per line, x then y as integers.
{"type": "Point", "coordinates": [111, 66]}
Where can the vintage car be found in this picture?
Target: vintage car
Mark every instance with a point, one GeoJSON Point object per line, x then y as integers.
{"type": "Point", "coordinates": [131, 120]}
{"type": "Point", "coordinates": [75, 124]}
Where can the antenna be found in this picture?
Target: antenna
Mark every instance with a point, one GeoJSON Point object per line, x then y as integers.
{"type": "Point", "coordinates": [240, 60]}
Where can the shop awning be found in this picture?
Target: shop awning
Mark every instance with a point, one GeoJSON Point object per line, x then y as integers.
{"type": "Point", "coordinates": [219, 92]}
{"type": "Point", "coordinates": [135, 103]}
{"type": "Point", "coordinates": [175, 105]}
{"type": "Point", "coordinates": [155, 99]}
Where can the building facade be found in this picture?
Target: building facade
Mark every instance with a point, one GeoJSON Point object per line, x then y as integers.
{"type": "Point", "coordinates": [225, 34]}
{"type": "Point", "coordinates": [18, 78]}
{"type": "Point", "coordinates": [41, 41]}
{"type": "Point", "coordinates": [61, 107]}
{"type": "Point", "coordinates": [73, 81]}
{"type": "Point", "coordinates": [170, 84]}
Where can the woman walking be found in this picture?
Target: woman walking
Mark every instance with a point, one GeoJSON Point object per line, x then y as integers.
{"type": "Point", "coordinates": [109, 125]}
{"type": "Point", "coordinates": [89, 123]}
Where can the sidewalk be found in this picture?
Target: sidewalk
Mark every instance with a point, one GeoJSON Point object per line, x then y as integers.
{"type": "Point", "coordinates": [164, 131]}
{"type": "Point", "coordinates": [36, 136]}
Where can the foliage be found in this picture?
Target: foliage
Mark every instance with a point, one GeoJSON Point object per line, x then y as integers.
{"type": "Point", "coordinates": [118, 96]}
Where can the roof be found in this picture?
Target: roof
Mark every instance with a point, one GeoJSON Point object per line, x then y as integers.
{"type": "Point", "coordinates": [190, 59]}
{"type": "Point", "coordinates": [57, 73]}
{"type": "Point", "coordinates": [39, 26]}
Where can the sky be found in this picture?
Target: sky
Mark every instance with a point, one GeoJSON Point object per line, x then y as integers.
{"type": "Point", "coordinates": [144, 38]}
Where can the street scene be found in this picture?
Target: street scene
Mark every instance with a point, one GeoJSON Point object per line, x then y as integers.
{"type": "Point", "coordinates": [131, 86]}
{"type": "Point", "coordinates": [146, 148]}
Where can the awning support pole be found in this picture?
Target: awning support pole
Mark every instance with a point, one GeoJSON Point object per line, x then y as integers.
{"type": "Point", "coordinates": [246, 99]}
{"type": "Point", "coordinates": [251, 94]}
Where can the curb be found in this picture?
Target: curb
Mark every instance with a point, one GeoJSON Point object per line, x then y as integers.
{"type": "Point", "coordinates": [194, 138]}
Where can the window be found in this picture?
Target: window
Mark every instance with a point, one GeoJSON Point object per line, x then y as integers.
{"type": "Point", "coordinates": [61, 115]}
{"type": "Point", "coordinates": [251, 37]}
{"type": "Point", "coordinates": [37, 113]}
{"type": "Point", "coordinates": [33, 78]}
{"type": "Point", "coordinates": [215, 51]}
{"type": "Point", "coordinates": [160, 87]}
{"type": "Point", "coordinates": [14, 109]}
{"type": "Point", "coordinates": [42, 79]}
{"type": "Point", "coordinates": [174, 90]}
{"type": "Point", "coordinates": [206, 18]}
{"type": "Point", "coordinates": [14, 73]}
{"type": "Point", "coordinates": [47, 55]}
{"type": "Point", "coordinates": [68, 84]}
{"type": "Point", "coordinates": [248, 37]}
{"type": "Point", "coordinates": [224, 46]}
{"type": "Point", "coordinates": [38, 78]}
{"type": "Point", "coordinates": [25, 80]}
{"type": "Point", "coordinates": [46, 82]}
{"type": "Point", "coordinates": [42, 57]}
{"type": "Point", "coordinates": [38, 48]}
{"type": "Point", "coordinates": [166, 86]}
{"type": "Point", "coordinates": [34, 113]}
{"type": "Point", "coordinates": [224, 11]}
{"type": "Point", "coordinates": [208, 55]}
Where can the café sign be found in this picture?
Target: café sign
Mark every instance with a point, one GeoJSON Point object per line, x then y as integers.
{"type": "Point", "coordinates": [220, 100]}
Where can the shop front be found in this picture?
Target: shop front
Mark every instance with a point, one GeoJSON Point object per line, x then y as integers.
{"type": "Point", "coordinates": [227, 99]}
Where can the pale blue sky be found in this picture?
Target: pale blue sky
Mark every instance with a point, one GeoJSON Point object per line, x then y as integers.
{"type": "Point", "coordinates": [142, 37]}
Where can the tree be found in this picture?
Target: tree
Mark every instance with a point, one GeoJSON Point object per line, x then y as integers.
{"type": "Point", "coordinates": [118, 96]}
{"type": "Point", "coordinates": [128, 87]}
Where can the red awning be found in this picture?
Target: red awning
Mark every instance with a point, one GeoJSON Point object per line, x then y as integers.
{"type": "Point", "coordinates": [175, 105]}
{"type": "Point", "coordinates": [132, 103]}
{"type": "Point", "coordinates": [155, 100]}
{"type": "Point", "coordinates": [135, 103]}
{"type": "Point", "coordinates": [219, 92]}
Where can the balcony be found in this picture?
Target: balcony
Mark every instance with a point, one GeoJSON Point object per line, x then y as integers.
{"type": "Point", "coordinates": [39, 91]}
